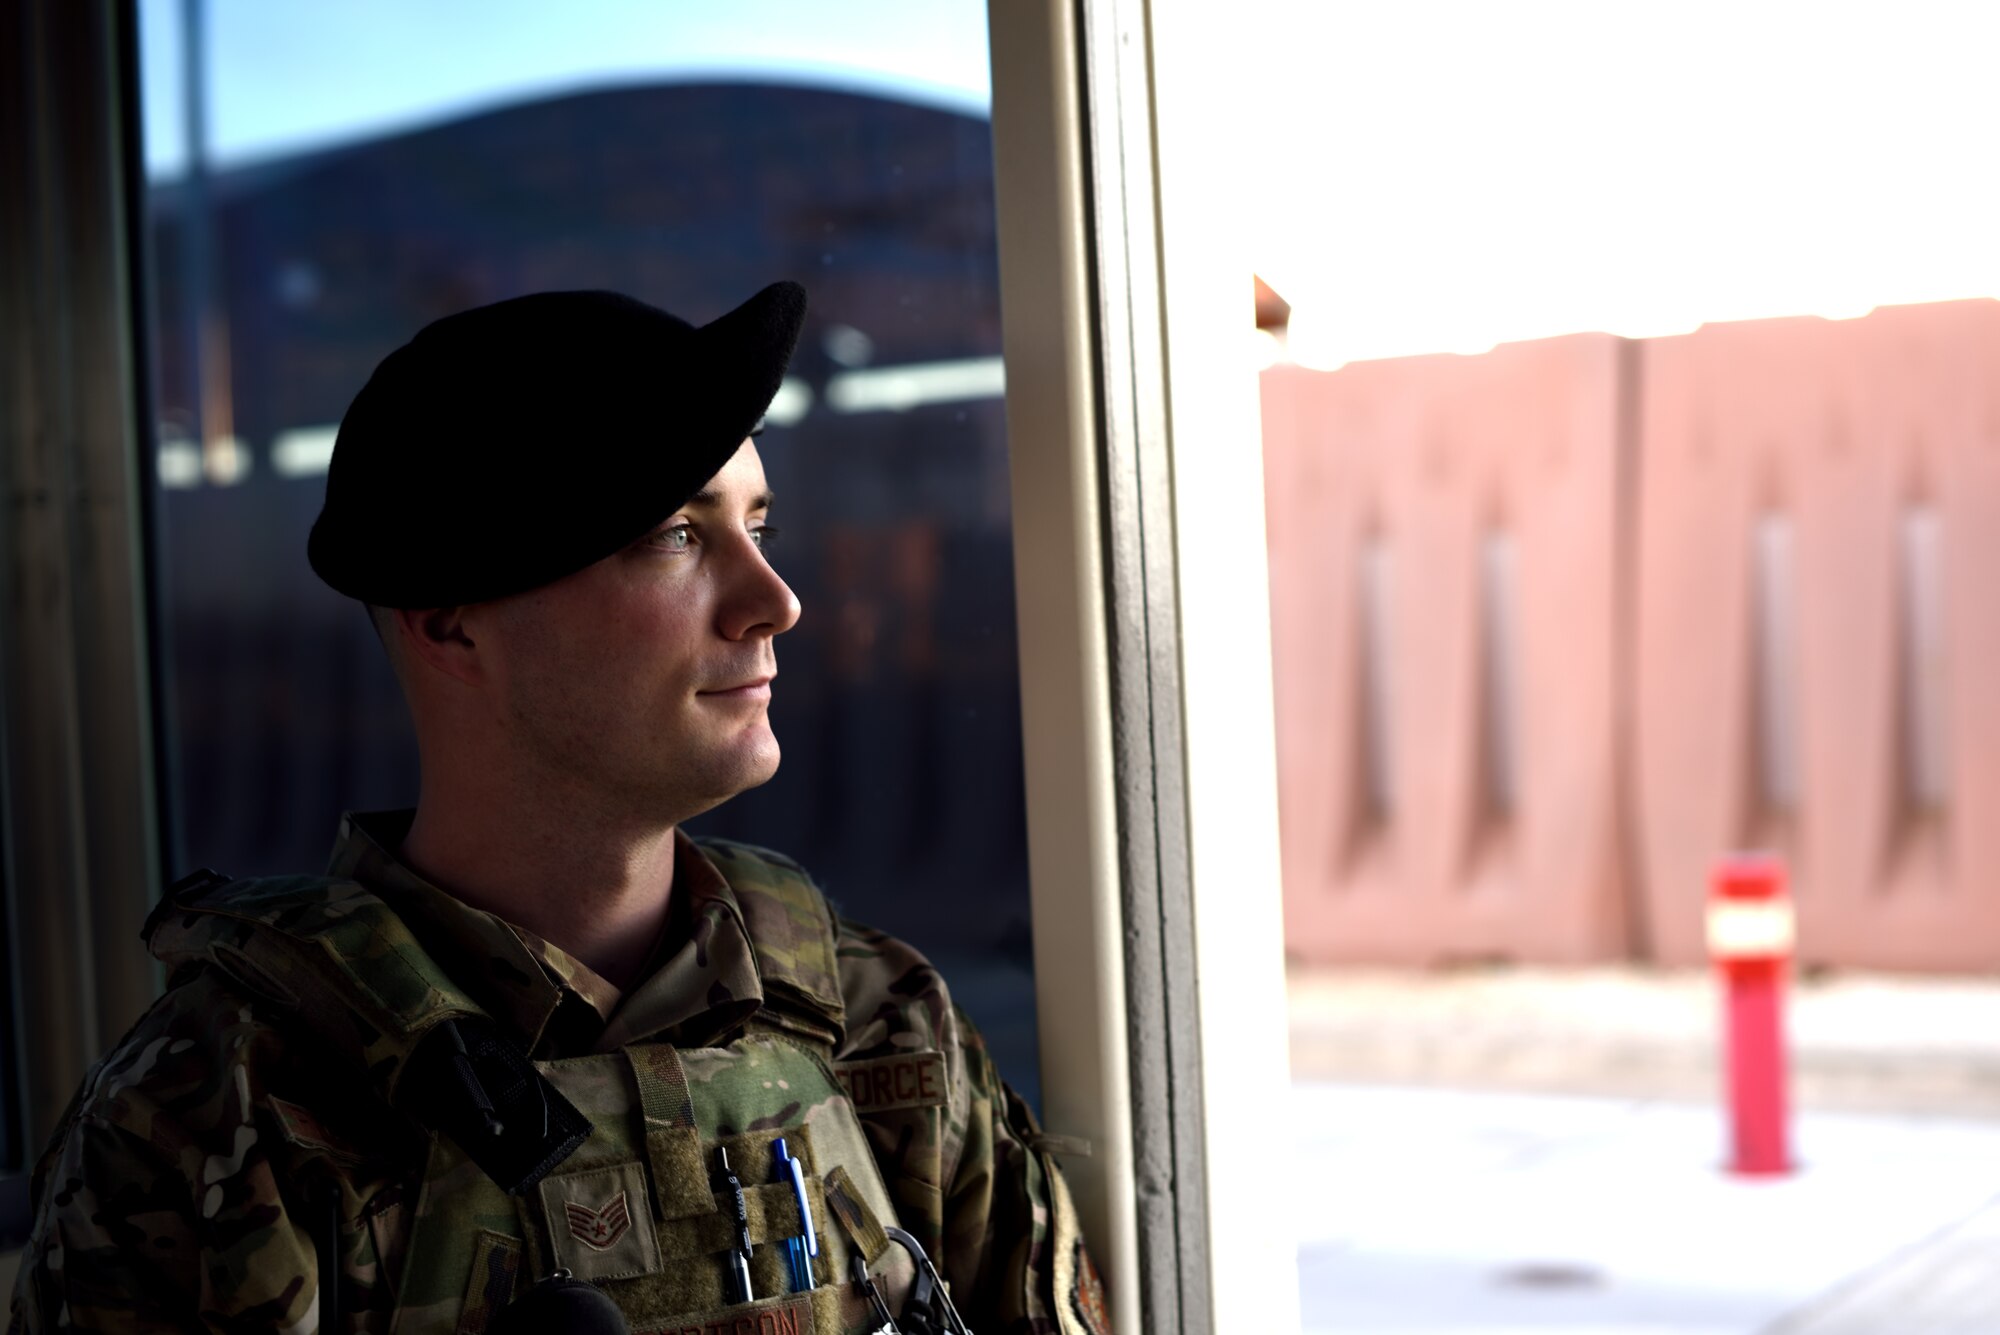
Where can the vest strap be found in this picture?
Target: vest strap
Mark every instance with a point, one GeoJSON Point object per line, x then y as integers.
{"type": "Point", "coordinates": [673, 1141]}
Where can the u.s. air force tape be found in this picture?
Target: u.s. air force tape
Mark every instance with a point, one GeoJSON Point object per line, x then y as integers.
{"type": "Point", "coordinates": [895, 1082]}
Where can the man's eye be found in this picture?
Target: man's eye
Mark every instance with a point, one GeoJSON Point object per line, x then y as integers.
{"type": "Point", "coordinates": [675, 539]}
{"type": "Point", "coordinates": [764, 535]}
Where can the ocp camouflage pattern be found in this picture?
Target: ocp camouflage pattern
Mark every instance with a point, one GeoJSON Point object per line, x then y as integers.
{"type": "Point", "coordinates": [181, 1190]}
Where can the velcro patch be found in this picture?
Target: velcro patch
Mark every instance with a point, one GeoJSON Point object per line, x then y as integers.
{"type": "Point", "coordinates": [1089, 1296]}
{"type": "Point", "coordinates": [895, 1082]}
{"type": "Point", "coordinates": [496, 1261]}
{"type": "Point", "coordinates": [599, 1225]}
{"type": "Point", "coordinates": [299, 1126]}
{"type": "Point", "coordinates": [775, 1316]}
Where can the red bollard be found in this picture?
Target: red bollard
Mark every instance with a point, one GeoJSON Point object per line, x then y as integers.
{"type": "Point", "coordinates": [1751, 929]}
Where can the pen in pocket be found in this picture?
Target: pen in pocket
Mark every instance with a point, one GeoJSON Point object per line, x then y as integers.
{"type": "Point", "coordinates": [739, 1255]}
{"type": "Point", "coordinates": [801, 1248]}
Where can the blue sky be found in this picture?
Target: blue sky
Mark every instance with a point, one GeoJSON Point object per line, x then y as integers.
{"type": "Point", "coordinates": [309, 73]}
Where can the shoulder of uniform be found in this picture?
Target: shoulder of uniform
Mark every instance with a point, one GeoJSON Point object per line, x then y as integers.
{"type": "Point", "coordinates": [179, 1056]}
{"type": "Point", "coordinates": [195, 1123]}
{"type": "Point", "coordinates": [204, 1005]}
{"type": "Point", "coordinates": [771, 886]}
{"type": "Point", "coordinates": [875, 950]}
{"type": "Point", "coordinates": [264, 930]}
{"type": "Point", "coordinates": [891, 997]}
{"type": "Point", "coordinates": [206, 909]}
{"type": "Point", "coordinates": [210, 1056]}
{"type": "Point", "coordinates": [896, 999]}
{"type": "Point", "coordinates": [296, 905]}
{"type": "Point", "coordinates": [755, 860]}
{"type": "Point", "coordinates": [790, 925]}
{"type": "Point", "coordinates": [327, 952]}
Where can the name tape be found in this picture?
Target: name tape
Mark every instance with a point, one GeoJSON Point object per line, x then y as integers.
{"type": "Point", "coordinates": [787, 1316]}
{"type": "Point", "coordinates": [895, 1082]}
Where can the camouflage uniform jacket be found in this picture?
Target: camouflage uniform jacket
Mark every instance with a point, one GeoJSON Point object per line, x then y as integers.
{"type": "Point", "coordinates": [170, 1198]}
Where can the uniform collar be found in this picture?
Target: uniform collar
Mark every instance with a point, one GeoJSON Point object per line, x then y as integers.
{"type": "Point", "coordinates": [697, 987]}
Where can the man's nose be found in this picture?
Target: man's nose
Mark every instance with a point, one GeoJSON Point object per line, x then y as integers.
{"type": "Point", "coordinates": [760, 602]}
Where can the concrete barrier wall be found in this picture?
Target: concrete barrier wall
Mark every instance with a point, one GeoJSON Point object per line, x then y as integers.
{"type": "Point", "coordinates": [1442, 629]}
{"type": "Point", "coordinates": [1555, 626]}
{"type": "Point", "coordinates": [1818, 653]}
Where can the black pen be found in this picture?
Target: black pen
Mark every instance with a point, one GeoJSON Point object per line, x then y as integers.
{"type": "Point", "coordinates": [739, 1255]}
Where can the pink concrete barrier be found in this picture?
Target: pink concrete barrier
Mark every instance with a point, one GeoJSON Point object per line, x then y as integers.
{"type": "Point", "coordinates": [1817, 665]}
{"type": "Point", "coordinates": [1444, 597]}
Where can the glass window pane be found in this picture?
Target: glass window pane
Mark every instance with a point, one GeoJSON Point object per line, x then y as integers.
{"type": "Point", "coordinates": [326, 179]}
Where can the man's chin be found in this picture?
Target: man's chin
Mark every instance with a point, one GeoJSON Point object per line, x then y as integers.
{"type": "Point", "coordinates": [750, 770]}
{"type": "Point", "coordinates": [757, 755]}
{"type": "Point", "coordinates": [763, 771]}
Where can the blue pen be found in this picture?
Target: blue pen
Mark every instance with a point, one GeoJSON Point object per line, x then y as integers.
{"type": "Point", "coordinates": [799, 1250]}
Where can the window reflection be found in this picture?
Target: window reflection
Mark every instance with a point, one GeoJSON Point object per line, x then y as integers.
{"type": "Point", "coordinates": [280, 279]}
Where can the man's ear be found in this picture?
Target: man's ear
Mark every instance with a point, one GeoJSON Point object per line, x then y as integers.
{"type": "Point", "coordinates": [438, 638]}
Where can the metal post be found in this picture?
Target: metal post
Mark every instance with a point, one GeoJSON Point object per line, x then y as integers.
{"type": "Point", "coordinates": [1750, 937]}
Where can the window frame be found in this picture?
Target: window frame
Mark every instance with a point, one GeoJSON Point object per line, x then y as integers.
{"type": "Point", "coordinates": [1145, 656]}
{"type": "Point", "coordinates": [1151, 787]}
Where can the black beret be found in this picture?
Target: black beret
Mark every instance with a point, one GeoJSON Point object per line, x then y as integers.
{"type": "Point", "coordinates": [510, 445]}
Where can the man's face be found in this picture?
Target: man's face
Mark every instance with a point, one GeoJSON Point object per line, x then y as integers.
{"type": "Point", "coordinates": [646, 678]}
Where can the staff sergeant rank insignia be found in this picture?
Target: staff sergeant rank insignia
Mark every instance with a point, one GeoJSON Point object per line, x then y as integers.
{"type": "Point", "coordinates": [599, 1228]}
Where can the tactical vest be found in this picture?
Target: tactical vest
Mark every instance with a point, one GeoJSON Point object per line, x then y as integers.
{"type": "Point", "coordinates": [630, 1200]}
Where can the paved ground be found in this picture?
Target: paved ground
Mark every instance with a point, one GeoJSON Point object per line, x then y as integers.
{"type": "Point", "coordinates": [1496, 1214]}
{"type": "Point", "coordinates": [1458, 1196]}
{"type": "Point", "coordinates": [1860, 1042]}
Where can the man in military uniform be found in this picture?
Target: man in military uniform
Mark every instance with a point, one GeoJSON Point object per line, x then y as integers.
{"type": "Point", "coordinates": [531, 1041]}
